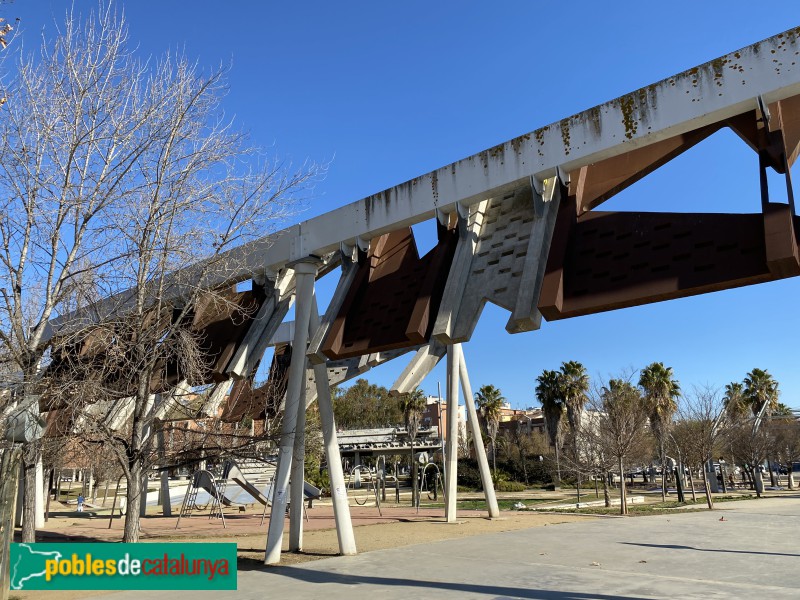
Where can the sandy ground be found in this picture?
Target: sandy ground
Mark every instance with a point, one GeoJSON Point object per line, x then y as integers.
{"type": "Point", "coordinates": [398, 526]}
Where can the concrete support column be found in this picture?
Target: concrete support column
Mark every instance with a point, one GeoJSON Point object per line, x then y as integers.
{"type": "Point", "coordinates": [341, 506]}
{"type": "Point", "coordinates": [39, 500]}
{"type": "Point", "coordinates": [305, 273]}
{"type": "Point", "coordinates": [298, 472]}
{"type": "Point", "coordinates": [477, 438]}
{"type": "Point", "coordinates": [451, 477]}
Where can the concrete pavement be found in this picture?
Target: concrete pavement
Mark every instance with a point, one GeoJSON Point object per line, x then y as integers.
{"type": "Point", "coordinates": [753, 552]}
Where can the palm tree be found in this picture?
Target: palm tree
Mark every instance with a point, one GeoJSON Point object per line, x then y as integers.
{"type": "Point", "coordinates": [413, 406]}
{"type": "Point", "coordinates": [573, 389]}
{"type": "Point", "coordinates": [548, 391]}
{"type": "Point", "coordinates": [490, 403]}
{"type": "Point", "coordinates": [620, 425]}
{"type": "Point", "coordinates": [574, 385]}
{"type": "Point", "coordinates": [761, 391]}
{"type": "Point", "coordinates": [660, 392]}
{"type": "Point", "coordinates": [734, 401]}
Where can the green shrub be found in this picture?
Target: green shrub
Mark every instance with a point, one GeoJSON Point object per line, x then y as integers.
{"type": "Point", "coordinates": [468, 474]}
{"type": "Point", "coordinates": [509, 486]}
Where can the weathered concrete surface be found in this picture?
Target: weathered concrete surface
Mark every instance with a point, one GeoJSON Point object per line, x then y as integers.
{"type": "Point", "coordinates": [752, 553]}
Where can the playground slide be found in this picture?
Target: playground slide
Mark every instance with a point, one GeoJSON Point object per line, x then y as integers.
{"type": "Point", "coordinates": [204, 481]}
{"type": "Point", "coordinates": [232, 472]}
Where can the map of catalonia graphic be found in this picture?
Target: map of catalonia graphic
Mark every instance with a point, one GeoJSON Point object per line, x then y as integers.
{"type": "Point", "coordinates": [30, 564]}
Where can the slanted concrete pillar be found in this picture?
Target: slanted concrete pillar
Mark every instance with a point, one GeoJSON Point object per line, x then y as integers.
{"type": "Point", "coordinates": [451, 478]}
{"type": "Point", "coordinates": [298, 471]}
{"type": "Point", "coordinates": [341, 506]}
{"type": "Point", "coordinates": [305, 273]}
{"type": "Point", "coordinates": [477, 438]}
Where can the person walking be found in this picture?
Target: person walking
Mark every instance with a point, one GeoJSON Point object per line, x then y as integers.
{"type": "Point", "coordinates": [81, 500]}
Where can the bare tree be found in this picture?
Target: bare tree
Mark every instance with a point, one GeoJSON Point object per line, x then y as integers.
{"type": "Point", "coordinates": [699, 429]}
{"type": "Point", "coordinates": [66, 158]}
{"type": "Point", "coordinates": [617, 426]}
{"type": "Point", "coordinates": [117, 173]}
{"type": "Point", "coordinates": [752, 444]}
{"type": "Point", "coordinates": [784, 442]}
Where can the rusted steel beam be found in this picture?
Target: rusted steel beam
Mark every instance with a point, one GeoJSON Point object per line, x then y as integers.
{"type": "Point", "coordinates": [394, 298]}
{"type": "Point", "coordinates": [603, 260]}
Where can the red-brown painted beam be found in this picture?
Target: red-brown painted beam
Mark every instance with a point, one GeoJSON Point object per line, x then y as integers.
{"type": "Point", "coordinates": [395, 297]}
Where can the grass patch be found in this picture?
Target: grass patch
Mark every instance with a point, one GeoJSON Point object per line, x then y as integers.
{"type": "Point", "coordinates": [502, 504]}
{"type": "Point", "coordinates": [734, 498]}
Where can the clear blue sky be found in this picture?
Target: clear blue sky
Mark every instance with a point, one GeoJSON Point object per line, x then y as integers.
{"type": "Point", "coordinates": [388, 91]}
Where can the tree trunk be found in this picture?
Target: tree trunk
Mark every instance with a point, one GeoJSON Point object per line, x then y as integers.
{"type": "Point", "coordinates": [790, 482]}
{"type": "Point", "coordinates": [606, 495]}
{"type": "Point", "coordinates": [558, 467]}
{"type": "Point", "coordinates": [525, 467]}
{"type": "Point", "coordinates": [691, 483]}
{"type": "Point", "coordinates": [31, 455]}
{"type": "Point", "coordinates": [707, 486]}
{"type": "Point", "coordinates": [9, 473]}
{"type": "Point", "coordinates": [663, 471]}
{"type": "Point", "coordinates": [623, 500]}
{"type": "Point", "coordinates": [50, 486]}
{"type": "Point", "coordinates": [133, 501]}
{"type": "Point", "coordinates": [758, 482]}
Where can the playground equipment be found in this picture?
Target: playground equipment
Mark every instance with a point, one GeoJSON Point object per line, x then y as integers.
{"type": "Point", "coordinates": [435, 478]}
{"type": "Point", "coordinates": [216, 489]}
{"type": "Point", "coordinates": [370, 477]}
{"type": "Point", "coordinates": [231, 471]}
{"type": "Point", "coordinates": [204, 480]}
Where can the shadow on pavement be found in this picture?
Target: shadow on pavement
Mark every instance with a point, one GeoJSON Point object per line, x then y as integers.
{"type": "Point", "coordinates": [679, 547]}
{"type": "Point", "coordinates": [496, 592]}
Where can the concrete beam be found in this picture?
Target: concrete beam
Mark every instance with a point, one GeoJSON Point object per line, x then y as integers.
{"type": "Point", "coordinates": [259, 337]}
{"type": "Point", "coordinates": [526, 315]}
{"type": "Point", "coordinates": [418, 367]}
{"type": "Point", "coordinates": [215, 398]}
{"type": "Point", "coordinates": [349, 270]}
{"type": "Point", "coordinates": [245, 357]}
{"type": "Point", "coordinates": [459, 275]}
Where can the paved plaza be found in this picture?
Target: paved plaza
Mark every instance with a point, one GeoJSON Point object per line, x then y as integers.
{"type": "Point", "coordinates": [753, 552]}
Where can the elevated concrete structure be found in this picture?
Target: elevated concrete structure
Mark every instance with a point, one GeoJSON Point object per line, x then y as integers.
{"type": "Point", "coordinates": [518, 228]}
